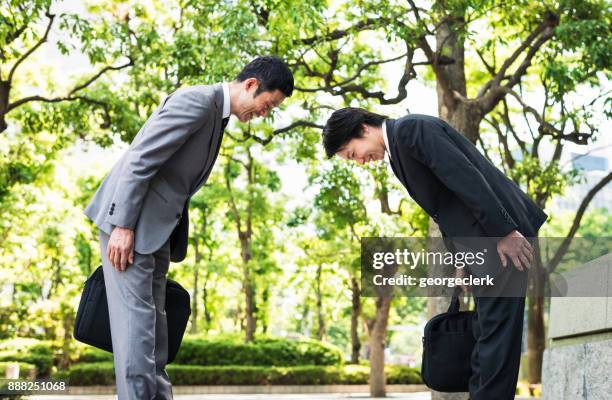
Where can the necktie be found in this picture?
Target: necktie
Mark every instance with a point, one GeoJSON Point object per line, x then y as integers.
{"type": "Point", "coordinates": [224, 122]}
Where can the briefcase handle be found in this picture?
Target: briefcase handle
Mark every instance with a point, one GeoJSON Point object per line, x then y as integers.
{"type": "Point", "coordinates": [453, 307]}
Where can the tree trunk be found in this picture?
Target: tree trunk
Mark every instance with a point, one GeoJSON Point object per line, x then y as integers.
{"type": "Point", "coordinates": [4, 99]}
{"type": "Point", "coordinates": [194, 305]}
{"type": "Point", "coordinates": [263, 309]}
{"type": "Point", "coordinates": [68, 324]}
{"type": "Point", "coordinates": [249, 298]}
{"type": "Point", "coordinates": [238, 320]}
{"type": "Point", "coordinates": [463, 117]}
{"type": "Point", "coordinates": [249, 291]}
{"type": "Point", "coordinates": [245, 236]}
{"type": "Point", "coordinates": [207, 313]}
{"type": "Point", "coordinates": [438, 305]}
{"type": "Point", "coordinates": [377, 340]}
{"type": "Point", "coordinates": [320, 319]}
{"type": "Point", "coordinates": [194, 301]}
{"type": "Point", "coordinates": [355, 311]}
{"type": "Point", "coordinates": [535, 319]}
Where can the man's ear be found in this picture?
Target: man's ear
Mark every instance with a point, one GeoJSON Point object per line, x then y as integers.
{"type": "Point", "coordinates": [251, 83]}
{"type": "Point", "coordinates": [365, 129]}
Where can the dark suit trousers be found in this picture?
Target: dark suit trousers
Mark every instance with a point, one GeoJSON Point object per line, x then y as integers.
{"type": "Point", "coordinates": [498, 330]}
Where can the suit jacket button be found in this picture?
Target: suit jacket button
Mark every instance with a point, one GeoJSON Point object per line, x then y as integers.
{"type": "Point", "coordinates": [178, 215]}
{"type": "Point", "coordinates": [110, 212]}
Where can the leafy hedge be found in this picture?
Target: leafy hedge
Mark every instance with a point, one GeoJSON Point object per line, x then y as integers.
{"type": "Point", "coordinates": [25, 370]}
{"type": "Point", "coordinates": [231, 350]}
{"type": "Point", "coordinates": [30, 351]}
{"type": "Point", "coordinates": [103, 374]}
{"type": "Point", "coordinates": [92, 354]}
{"type": "Point", "coordinates": [265, 351]}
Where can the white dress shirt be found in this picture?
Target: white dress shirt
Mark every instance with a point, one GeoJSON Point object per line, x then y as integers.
{"type": "Point", "coordinates": [384, 132]}
{"type": "Point", "coordinates": [226, 100]}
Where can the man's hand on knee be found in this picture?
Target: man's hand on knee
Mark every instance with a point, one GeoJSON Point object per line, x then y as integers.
{"type": "Point", "coordinates": [516, 248]}
{"type": "Point", "coordinates": [120, 250]}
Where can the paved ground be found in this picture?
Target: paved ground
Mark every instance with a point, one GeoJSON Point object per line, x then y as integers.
{"type": "Point", "coordinates": [336, 396]}
{"type": "Point", "coordinates": [339, 396]}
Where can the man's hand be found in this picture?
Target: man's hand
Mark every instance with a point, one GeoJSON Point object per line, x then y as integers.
{"type": "Point", "coordinates": [517, 248]}
{"type": "Point", "coordinates": [120, 250]}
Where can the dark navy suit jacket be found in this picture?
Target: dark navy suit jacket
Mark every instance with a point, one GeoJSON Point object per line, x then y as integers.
{"type": "Point", "coordinates": [454, 183]}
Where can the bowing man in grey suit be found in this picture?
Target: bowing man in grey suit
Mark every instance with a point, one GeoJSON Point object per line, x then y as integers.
{"type": "Point", "coordinates": [141, 211]}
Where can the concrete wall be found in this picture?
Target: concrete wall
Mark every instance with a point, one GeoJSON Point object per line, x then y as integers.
{"type": "Point", "coordinates": [578, 360]}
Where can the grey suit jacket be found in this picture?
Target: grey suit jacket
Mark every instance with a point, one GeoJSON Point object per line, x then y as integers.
{"type": "Point", "coordinates": [149, 188]}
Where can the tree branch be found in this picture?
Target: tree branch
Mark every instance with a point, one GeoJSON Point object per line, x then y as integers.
{"type": "Point", "coordinates": [503, 140]}
{"type": "Point", "coordinates": [340, 33]}
{"type": "Point", "coordinates": [547, 128]}
{"type": "Point", "coordinates": [33, 49]}
{"type": "Point", "coordinates": [70, 96]}
{"type": "Point", "coordinates": [360, 69]}
{"type": "Point", "coordinates": [418, 18]}
{"type": "Point", "coordinates": [484, 62]}
{"type": "Point", "coordinates": [379, 95]}
{"type": "Point", "coordinates": [545, 31]}
{"type": "Point", "coordinates": [436, 60]}
{"type": "Point", "coordinates": [576, 224]}
{"type": "Point", "coordinates": [104, 105]}
{"type": "Point", "coordinates": [506, 118]}
{"type": "Point", "coordinates": [99, 74]}
{"type": "Point", "coordinates": [265, 141]}
{"type": "Point", "coordinates": [233, 206]}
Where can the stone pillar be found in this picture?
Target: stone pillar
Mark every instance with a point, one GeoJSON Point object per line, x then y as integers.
{"type": "Point", "coordinates": [578, 360]}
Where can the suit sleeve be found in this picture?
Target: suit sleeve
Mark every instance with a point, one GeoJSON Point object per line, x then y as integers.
{"type": "Point", "coordinates": [432, 145]}
{"type": "Point", "coordinates": [165, 132]}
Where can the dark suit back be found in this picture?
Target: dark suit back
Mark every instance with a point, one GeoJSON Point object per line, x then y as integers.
{"type": "Point", "coordinates": [454, 183]}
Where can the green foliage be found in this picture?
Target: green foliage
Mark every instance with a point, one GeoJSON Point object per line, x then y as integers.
{"type": "Point", "coordinates": [339, 195]}
{"type": "Point", "coordinates": [263, 351]}
{"type": "Point", "coordinates": [402, 375]}
{"type": "Point", "coordinates": [103, 374]}
{"type": "Point", "coordinates": [546, 179]}
{"type": "Point", "coordinates": [26, 371]}
{"type": "Point", "coordinates": [38, 353]}
{"type": "Point", "coordinates": [93, 355]}
{"type": "Point", "coordinates": [9, 320]}
{"type": "Point", "coordinates": [157, 46]}
{"type": "Point", "coordinates": [87, 374]}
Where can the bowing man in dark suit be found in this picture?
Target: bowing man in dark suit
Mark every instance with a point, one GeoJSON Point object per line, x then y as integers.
{"type": "Point", "coordinates": [467, 196]}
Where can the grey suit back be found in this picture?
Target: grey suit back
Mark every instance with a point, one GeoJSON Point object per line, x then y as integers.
{"type": "Point", "coordinates": [170, 158]}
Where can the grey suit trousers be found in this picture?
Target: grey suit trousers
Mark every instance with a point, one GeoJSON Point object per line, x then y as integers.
{"type": "Point", "coordinates": [136, 306]}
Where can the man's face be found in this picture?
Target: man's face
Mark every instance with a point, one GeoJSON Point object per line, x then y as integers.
{"type": "Point", "coordinates": [252, 105]}
{"type": "Point", "coordinates": [362, 150]}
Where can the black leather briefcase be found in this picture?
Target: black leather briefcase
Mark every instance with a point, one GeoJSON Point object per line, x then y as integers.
{"type": "Point", "coordinates": [448, 342]}
{"type": "Point", "coordinates": [92, 325]}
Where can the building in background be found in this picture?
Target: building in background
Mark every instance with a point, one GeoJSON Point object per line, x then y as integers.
{"type": "Point", "coordinates": [593, 168]}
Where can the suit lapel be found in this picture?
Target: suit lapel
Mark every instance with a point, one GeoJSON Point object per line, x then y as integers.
{"type": "Point", "coordinates": [216, 137]}
{"type": "Point", "coordinates": [395, 162]}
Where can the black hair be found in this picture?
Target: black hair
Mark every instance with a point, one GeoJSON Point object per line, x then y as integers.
{"type": "Point", "coordinates": [345, 125]}
{"type": "Point", "coordinates": [271, 72]}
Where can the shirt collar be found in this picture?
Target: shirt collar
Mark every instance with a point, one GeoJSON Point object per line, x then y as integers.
{"type": "Point", "coordinates": [384, 132]}
{"type": "Point", "coordinates": [226, 100]}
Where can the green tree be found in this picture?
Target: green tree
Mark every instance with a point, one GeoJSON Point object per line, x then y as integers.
{"type": "Point", "coordinates": [249, 190]}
